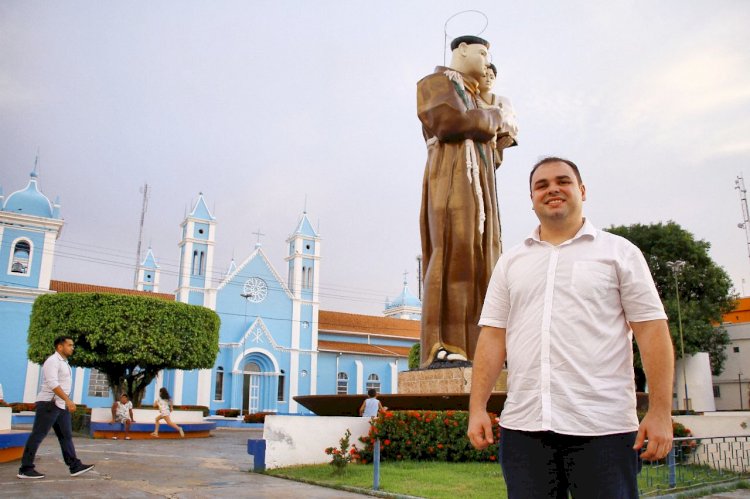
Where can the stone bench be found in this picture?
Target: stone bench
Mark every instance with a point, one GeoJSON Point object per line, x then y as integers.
{"type": "Point", "coordinates": [192, 424]}
{"type": "Point", "coordinates": [12, 442]}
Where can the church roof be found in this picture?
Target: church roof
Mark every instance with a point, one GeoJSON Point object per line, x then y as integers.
{"type": "Point", "coordinates": [405, 299]}
{"type": "Point", "coordinates": [363, 348]}
{"type": "Point", "coordinates": [74, 287]}
{"type": "Point", "coordinates": [304, 227]}
{"type": "Point", "coordinates": [200, 210]}
{"type": "Point", "coordinates": [341, 322]}
{"type": "Point", "coordinates": [150, 261]}
{"type": "Point", "coordinates": [30, 201]}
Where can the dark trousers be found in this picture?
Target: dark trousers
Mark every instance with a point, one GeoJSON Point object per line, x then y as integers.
{"type": "Point", "coordinates": [547, 465]}
{"type": "Point", "coordinates": [47, 416]}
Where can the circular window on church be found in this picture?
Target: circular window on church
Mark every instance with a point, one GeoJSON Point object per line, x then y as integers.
{"type": "Point", "coordinates": [255, 290]}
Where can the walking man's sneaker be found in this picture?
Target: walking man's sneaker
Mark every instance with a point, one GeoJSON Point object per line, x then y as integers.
{"type": "Point", "coordinates": [33, 474]}
{"type": "Point", "coordinates": [80, 469]}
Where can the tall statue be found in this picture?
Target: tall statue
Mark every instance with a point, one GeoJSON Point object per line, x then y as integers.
{"type": "Point", "coordinates": [459, 219]}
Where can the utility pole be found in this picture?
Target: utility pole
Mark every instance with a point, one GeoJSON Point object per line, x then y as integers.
{"type": "Point", "coordinates": [739, 184]}
{"type": "Point", "coordinates": [143, 190]}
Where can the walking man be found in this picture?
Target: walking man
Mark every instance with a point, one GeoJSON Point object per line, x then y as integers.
{"type": "Point", "coordinates": [53, 410]}
{"type": "Point", "coordinates": [562, 308]}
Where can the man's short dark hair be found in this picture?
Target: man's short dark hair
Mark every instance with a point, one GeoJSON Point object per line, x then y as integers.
{"type": "Point", "coordinates": [468, 40]}
{"type": "Point", "coordinates": [372, 392]}
{"type": "Point", "coordinates": [493, 68]}
{"type": "Point", "coordinates": [62, 339]}
{"type": "Point", "coordinates": [555, 159]}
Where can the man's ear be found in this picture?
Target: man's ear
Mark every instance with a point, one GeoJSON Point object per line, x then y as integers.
{"type": "Point", "coordinates": [583, 192]}
{"type": "Point", "coordinates": [463, 48]}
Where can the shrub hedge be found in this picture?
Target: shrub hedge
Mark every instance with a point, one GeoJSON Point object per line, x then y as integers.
{"type": "Point", "coordinates": [228, 413]}
{"type": "Point", "coordinates": [257, 417]}
{"type": "Point", "coordinates": [426, 436]}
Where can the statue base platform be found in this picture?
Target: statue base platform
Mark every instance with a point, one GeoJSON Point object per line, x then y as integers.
{"type": "Point", "coordinates": [449, 380]}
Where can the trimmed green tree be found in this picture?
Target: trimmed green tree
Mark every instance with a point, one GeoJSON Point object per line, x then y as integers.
{"type": "Point", "coordinates": [129, 338]}
{"type": "Point", "coordinates": [705, 288]}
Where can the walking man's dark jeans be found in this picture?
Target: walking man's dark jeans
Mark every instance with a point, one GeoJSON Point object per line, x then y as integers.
{"type": "Point", "coordinates": [48, 415]}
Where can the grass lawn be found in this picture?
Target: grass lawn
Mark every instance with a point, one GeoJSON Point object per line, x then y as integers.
{"type": "Point", "coordinates": [414, 478]}
{"type": "Point", "coordinates": [440, 480]}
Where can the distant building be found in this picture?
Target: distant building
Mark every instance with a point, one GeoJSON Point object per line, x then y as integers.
{"type": "Point", "coordinates": [274, 343]}
{"type": "Point", "coordinates": [732, 387]}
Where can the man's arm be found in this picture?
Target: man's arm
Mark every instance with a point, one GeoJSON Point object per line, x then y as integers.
{"type": "Point", "coordinates": [488, 362]}
{"type": "Point", "coordinates": [52, 380]}
{"type": "Point", "coordinates": [657, 356]}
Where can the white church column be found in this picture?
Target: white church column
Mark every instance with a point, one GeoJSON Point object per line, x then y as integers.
{"type": "Point", "coordinates": [394, 376]}
{"type": "Point", "coordinates": [78, 385]}
{"type": "Point", "coordinates": [360, 375]}
{"type": "Point", "coordinates": [32, 382]}
{"type": "Point", "coordinates": [204, 387]}
{"type": "Point", "coordinates": [177, 391]}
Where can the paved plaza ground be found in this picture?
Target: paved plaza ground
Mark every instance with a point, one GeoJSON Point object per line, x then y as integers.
{"type": "Point", "coordinates": [200, 467]}
{"type": "Point", "coordinates": [189, 468]}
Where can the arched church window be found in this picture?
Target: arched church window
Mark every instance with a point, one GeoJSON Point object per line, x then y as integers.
{"type": "Point", "coordinates": [219, 389]}
{"type": "Point", "coordinates": [21, 256]}
{"type": "Point", "coordinates": [373, 381]}
{"type": "Point", "coordinates": [342, 384]}
{"type": "Point", "coordinates": [309, 277]}
{"type": "Point", "coordinates": [251, 368]}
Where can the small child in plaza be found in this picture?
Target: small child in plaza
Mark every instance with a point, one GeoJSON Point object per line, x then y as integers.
{"type": "Point", "coordinates": [122, 412]}
{"type": "Point", "coordinates": [164, 404]}
{"type": "Point", "coordinates": [371, 406]}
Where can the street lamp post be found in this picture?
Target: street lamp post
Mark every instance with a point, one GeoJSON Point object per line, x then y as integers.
{"type": "Point", "coordinates": [739, 383]}
{"type": "Point", "coordinates": [676, 268]}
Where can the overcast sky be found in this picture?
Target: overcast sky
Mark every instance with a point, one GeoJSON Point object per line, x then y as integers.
{"type": "Point", "coordinates": [261, 105]}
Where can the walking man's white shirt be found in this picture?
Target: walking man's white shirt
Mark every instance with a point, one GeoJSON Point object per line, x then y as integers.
{"type": "Point", "coordinates": [55, 372]}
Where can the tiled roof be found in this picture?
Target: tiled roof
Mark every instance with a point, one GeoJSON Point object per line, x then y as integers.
{"type": "Point", "coordinates": [74, 287]}
{"type": "Point", "coordinates": [741, 312]}
{"type": "Point", "coordinates": [362, 348]}
{"type": "Point", "coordinates": [367, 324]}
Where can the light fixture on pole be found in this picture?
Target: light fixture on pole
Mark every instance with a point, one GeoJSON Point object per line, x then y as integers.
{"type": "Point", "coordinates": [676, 268]}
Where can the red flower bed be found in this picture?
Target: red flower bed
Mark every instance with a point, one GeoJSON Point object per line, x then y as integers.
{"type": "Point", "coordinates": [425, 435]}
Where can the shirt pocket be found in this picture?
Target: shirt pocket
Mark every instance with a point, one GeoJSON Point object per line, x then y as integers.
{"type": "Point", "coordinates": [592, 280]}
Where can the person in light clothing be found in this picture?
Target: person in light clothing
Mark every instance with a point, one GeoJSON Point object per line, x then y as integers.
{"type": "Point", "coordinates": [52, 411]}
{"type": "Point", "coordinates": [122, 412]}
{"type": "Point", "coordinates": [371, 406]}
{"type": "Point", "coordinates": [164, 404]}
{"type": "Point", "coordinates": [562, 308]}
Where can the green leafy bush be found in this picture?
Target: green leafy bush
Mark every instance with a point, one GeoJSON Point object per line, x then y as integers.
{"type": "Point", "coordinates": [228, 413]}
{"type": "Point", "coordinates": [425, 435]}
{"type": "Point", "coordinates": [22, 406]}
{"type": "Point", "coordinates": [256, 417]}
{"type": "Point", "coordinates": [414, 353]}
{"type": "Point", "coordinates": [343, 454]}
{"type": "Point", "coordinates": [205, 410]}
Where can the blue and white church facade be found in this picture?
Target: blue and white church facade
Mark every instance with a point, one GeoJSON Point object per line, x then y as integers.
{"type": "Point", "coordinates": [274, 343]}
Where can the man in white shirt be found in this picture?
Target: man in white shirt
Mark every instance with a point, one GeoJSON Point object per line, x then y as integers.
{"type": "Point", "coordinates": [53, 410]}
{"type": "Point", "coordinates": [562, 308]}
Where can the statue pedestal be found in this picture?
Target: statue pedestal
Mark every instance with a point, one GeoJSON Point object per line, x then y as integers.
{"type": "Point", "coordinates": [449, 380]}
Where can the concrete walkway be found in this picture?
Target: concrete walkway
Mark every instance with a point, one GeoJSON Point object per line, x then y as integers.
{"type": "Point", "coordinates": [190, 468]}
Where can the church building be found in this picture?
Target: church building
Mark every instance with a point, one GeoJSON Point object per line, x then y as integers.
{"type": "Point", "coordinates": [274, 343]}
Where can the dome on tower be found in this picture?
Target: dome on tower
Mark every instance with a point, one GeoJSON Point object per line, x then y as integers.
{"type": "Point", "coordinates": [29, 201]}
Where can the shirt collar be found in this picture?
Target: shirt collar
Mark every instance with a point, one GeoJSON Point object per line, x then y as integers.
{"type": "Point", "coordinates": [586, 230]}
{"type": "Point", "coordinates": [60, 357]}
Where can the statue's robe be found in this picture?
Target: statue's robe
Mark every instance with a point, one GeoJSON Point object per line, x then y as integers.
{"type": "Point", "coordinates": [459, 218]}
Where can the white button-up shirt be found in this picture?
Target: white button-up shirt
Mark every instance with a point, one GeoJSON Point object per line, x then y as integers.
{"type": "Point", "coordinates": [55, 372]}
{"type": "Point", "coordinates": [566, 310]}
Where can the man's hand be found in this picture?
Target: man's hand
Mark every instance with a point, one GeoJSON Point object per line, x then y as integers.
{"type": "Point", "coordinates": [480, 430]}
{"type": "Point", "coordinates": [658, 430]}
{"type": "Point", "coordinates": [70, 405]}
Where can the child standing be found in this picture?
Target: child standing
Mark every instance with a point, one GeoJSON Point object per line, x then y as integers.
{"type": "Point", "coordinates": [164, 403]}
{"type": "Point", "coordinates": [371, 406]}
{"type": "Point", "coordinates": [122, 412]}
